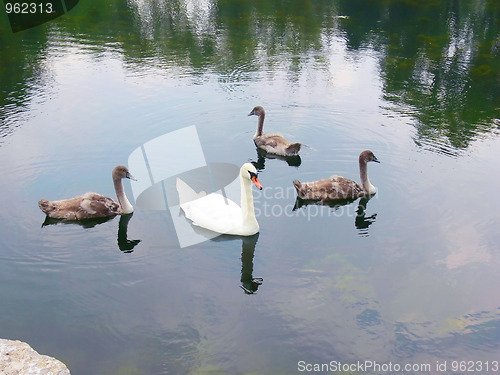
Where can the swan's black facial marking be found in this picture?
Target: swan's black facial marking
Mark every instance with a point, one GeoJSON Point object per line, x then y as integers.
{"type": "Point", "coordinates": [255, 180]}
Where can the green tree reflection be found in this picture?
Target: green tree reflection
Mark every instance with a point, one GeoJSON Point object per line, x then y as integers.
{"type": "Point", "coordinates": [439, 60]}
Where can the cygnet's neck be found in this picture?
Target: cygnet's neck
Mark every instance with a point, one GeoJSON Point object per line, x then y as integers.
{"type": "Point", "coordinates": [125, 206]}
{"type": "Point", "coordinates": [365, 181]}
{"type": "Point", "coordinates": [260, 125]}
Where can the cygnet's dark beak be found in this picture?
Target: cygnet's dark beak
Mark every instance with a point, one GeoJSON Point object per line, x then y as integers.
{"type": "Point", "coordinates": [129, 175]}
{"type": "Point", "coordinates": [251, 113]}
{"type": "Point", "coordinates": [375, 159]}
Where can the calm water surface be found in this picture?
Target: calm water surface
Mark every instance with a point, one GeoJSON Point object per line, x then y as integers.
{"type": "Point", "coordinates": [410, 276]}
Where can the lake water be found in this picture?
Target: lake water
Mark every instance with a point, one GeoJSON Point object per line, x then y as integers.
{"type": "Point", "coordinates": [410, 277]}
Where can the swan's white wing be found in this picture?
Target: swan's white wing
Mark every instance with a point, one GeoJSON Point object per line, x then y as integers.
{"type": "Point", "coordinates": [186, 192]}
{"type": "Point", "coordinates": [214, 212]}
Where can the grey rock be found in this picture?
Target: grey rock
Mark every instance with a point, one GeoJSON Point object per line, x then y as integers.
{"type": "Point", "coordinates": [18, 358]}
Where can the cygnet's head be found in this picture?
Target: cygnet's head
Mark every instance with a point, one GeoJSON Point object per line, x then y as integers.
{"type": "Point", "coordinates": [120, 172]}
{"type": "Point", "coordinates": [257, 111]}
{"type": "Point", "coordinates": [249, 171]}
{"type": "Point", "coordinates": [367, 156]}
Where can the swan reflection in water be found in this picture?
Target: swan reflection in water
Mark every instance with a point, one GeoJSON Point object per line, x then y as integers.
{"type": "Point", "coordinates": [262, 155]}
{"type": "Point", "coordinates": [248, 283]}
{"type": "Point", "coordinates": [362, 222]}
{"type": "Point", "coordinates": [124, 244]}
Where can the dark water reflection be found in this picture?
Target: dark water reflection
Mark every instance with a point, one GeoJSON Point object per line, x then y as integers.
{"type": "Point", "coordinates": [124, 244]}
{"type": "Point", "coordinates": [362, 222]}
{"type": "Point", "coordinates": [262, 155]}
{"type": "Point", "coordinates": [89, 223]}
{"type": "Point", "coordinates": [392, 278]}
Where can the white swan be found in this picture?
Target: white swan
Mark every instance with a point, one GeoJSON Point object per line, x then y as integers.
{"type": "Point", "coordinates": [338, 187]}
{"type": "Point", "coordinates": [218, 213]}
{"type": "Point", "coordinates": [273, 143]}
{"type": "Point", "coordinates": [92, 205]}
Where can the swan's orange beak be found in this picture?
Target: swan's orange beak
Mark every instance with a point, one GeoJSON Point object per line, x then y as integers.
{"type": "Point", "coordinates": [257, 183]}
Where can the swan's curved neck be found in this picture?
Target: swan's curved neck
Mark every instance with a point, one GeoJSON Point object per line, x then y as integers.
{"type": "Point", "coordinates": [260, 125]}
{"type": "Point", "coordinates": [126, 207]}
{"type": "Point", "coordinates": [247, 208]}
{"type": "Point", "coordinates": [365, 181]}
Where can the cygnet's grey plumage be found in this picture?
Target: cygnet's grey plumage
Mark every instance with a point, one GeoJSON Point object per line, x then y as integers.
{"type": "Point", "coordinates": [338, 187]}
{"type": "Point", "coordinates": [273, 143]}
{"type": "Point", "coordinates": [92, 205]}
